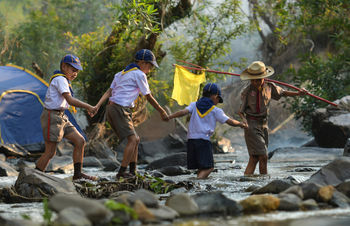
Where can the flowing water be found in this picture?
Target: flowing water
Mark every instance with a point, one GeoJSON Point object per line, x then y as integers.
{"type": "Point", "coordinates": [228, 177]}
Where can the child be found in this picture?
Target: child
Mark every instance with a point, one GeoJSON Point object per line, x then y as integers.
{"type": "Point", "coordinates": [255, 109]}
{"type": "Point", "coordinates": [124, 90]}
{"type": "Point", "coordinates": [55, 123]}
{"type": "Point", "coordinates": [201, 126]}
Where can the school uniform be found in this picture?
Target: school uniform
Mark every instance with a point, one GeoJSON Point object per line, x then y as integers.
{"type": "Point", "coordinates": [255, 106]}
{"type": "Point", "coordinates": [126, 87]}
{"type": "Point", "coordinates": [204, 115]}
{"type": "Point", "coordinates": [54, 122]}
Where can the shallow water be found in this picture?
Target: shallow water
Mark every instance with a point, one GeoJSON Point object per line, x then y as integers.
{"type": "Point", "coordinates": [228, 178]}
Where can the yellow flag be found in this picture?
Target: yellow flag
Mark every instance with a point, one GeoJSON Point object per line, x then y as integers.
{"type": "Point", "coordinates": [186, 85]}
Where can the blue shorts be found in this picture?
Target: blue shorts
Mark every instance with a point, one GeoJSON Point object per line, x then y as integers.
{"type": "Point", "coordinates": [199, 154]}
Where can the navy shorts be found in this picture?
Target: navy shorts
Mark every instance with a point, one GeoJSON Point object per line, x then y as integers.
{"type": "Point", "coordinates": [199, 154]}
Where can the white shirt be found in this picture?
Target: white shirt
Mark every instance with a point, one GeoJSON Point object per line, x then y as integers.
{"type": "Point", "coordinates": [126, 88]}
{"type": "Point", "coordinates": [54, 99]}
{"type": "Point", "coordinates": [203, 128]}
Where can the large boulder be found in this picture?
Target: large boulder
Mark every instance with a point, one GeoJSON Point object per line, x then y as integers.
{"type": "Point", "coordinates": [60, 164]}
{"type": "Point", "coordinates": [331, 126]}
{"type": "Point", "coordinates": [333, 173]}
{"type": "Point", "coordinates": [100, 150]}
{"type": "Point", "coordinates": [179, 159]}
{"type": "Point", "coordinates": [36, 184]}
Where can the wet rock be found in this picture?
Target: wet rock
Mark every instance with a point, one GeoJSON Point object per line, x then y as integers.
{"type": "Point", "coordinates": [142, 212]}
{"type": "Point", "coordinates": [183, 204]}
{"type": "Point", "coordinates": [12, 222]}
{"type": "Point", "coordinates": [13, 150]}
{"type": "Point", "coordinates": [339, 200]}
{"type": "Point", "coordinates": [296, 179]}
{"type": "Point", "coordinates": [325, 193]}
{"type": "Point", "coordinates": [2, 157]}
{"type": "Point", "coordinates": [344, 188]}
{"type": "Point", "coordinates": [216, 203]}
{"type": "Point", "coordinates": [6, 170]}
{"type": "Point", "coordinates": [331, 126]}
{"type": "Point", "coordinates": [36, 184]}
{"type": "Point", "coordinates": [100, 150]}
{"type": "Point", "coordinates": [8, 195]}
{"type": "Point", "coordinates": [347, 148]}
{"type": "Point", "coordinates": [61, 164]}
{"type": "Point", "coordinates": [309, 204]}
{"type": "Point", "coordinates": [147, 197]}
{"type": "Point", "coordinates": [333, 173]}
{"type": "Point", "coordinates": [252, 188]}
{"type": "Point", "coordinates": [296, 190]}
{"type": "Point", "coordinates": [110, 165]}
{"type": "Point", "coordinates": [260, 204]}
{"type": "Point", "coordinates": [157, 174]}
{"type": "Point", "coordinates": [94, 211]}
{"type": "Point", "coordinates": [179, 159]}
{"type": "Point", "coordinates": [298, 154]}
{"type": "Point", "coordinates": [91, 161]}
{"type": "Point", "coordinates": [310, 190]}
{"type": "Point", "coordinates": [164, 213]}
{"type": "Point", "coordinates": [178, 191]}
{"type": "Point", "coordinates": [174, 170]}
{"type": "Point", "coordinates": [304, 169]}
{"type": "Point", "coordinates": [274, 187]}
{"type": "Point", "coordinates": [289, 202]}
{"type": "Point", "coordinates": [72, 216]}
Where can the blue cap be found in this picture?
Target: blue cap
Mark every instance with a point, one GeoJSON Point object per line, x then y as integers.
{"type": "Point", "coordinates": [212, 88]}
{"type": "Point", "coordinates": [72, 60]}
{"type": "Point", "coordinates": [146, 55]}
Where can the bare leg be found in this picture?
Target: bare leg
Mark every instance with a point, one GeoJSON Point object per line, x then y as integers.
{"type": "Point", "coordinates": [204, 173]}
{"type": "Point", "coordinates": [79, 145]}
{"type": "Point", "coordinates": [253, 160]}
{"type": "Point", "coordinates": [129, 150]}
{"type": "Point", "coordinates": [50, 151]}
{"type": "Point", "coordinates": [263, 164]}
{"type": "Point", "coordinates": [136, 149]}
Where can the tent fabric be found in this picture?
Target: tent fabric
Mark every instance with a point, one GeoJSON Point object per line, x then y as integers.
{"type": "Point", "coordinates": [186, 85]}
{"type": "Point", "coordinates": [22, 94]}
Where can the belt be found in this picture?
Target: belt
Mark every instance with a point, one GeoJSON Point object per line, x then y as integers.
{"type": "Point", "coordinates": [256, 118]}
{"type": "Point", "coordinates": [54, 110]}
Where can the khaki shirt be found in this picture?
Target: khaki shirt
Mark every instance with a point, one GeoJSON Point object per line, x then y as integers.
{"type": "Point", "coordinates": [249, 99]}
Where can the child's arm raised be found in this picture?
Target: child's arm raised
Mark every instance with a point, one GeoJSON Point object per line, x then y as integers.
{"type": "Point", "coordinates": [236, 123]}
{"type": "Point", "coordinates": [179, 114]}
{"type": "Point", "coordinates": [156, 105]}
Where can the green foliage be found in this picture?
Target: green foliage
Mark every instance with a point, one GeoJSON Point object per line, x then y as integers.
{"type": "Point", "coordinates": [116, 206]}
{"type": "Point", "coordinates": [47, 215]}
{"type": "Point", "coordinates": [157, 185]}
{"type": "Point", "coordinates": [25, 217]}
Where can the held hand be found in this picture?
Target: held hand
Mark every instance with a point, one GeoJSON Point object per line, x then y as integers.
{"type": "Point", "coordinates": [243, 125]}
{"type": "Point", "coordinates": [164, 116]}
{"type": "Point", "coordinates": [92, 111]}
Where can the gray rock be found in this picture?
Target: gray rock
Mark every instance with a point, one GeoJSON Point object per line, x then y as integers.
{"type": "Point", "coordinates": [347, 148]}
{"type": "Point", "coordinates": [183, 204]}
{"type": "Point", "coordinates": [289, 202]}
{"type": "Point", "coordinates": [22, 164]}
{"type": "Point", "coordinates": [309, 204]}
{"type": "Point", "coordinates": [293, 154]}
{"type": "Point", "coordinates": [344, 188]}
{"type": "Point", "coordinates": [60, 163]}
{"type": "Point", "coordinates": [174, 170]}
{"type": "Point", "coordinates": [333, 173]}
{"type": "Point", "coordinates": [32, 183]}
{"type": "Point", "coordinates": [179, 159]}
{"type": "Point", "coordinates": [147, 197]}
{"type": "Point", "coordinates": [339, 200]}
{"type": "Point", "coordinates": [274, 187]}
{"type": "Point", "coordinates": [251, 188]}
{"type": "Point", "coordinates": [110, 165]}
{"type": "Point", "coordinates": [65, 148]}
{"type": "Point", "coordinates": [217, 203]}
{"type": "Point", "coordinates": [100, 150]}
{"type": "Point", "coordinates": [91, 161]}
{"type": "Point", "coordinates": [164, 213]}
{"type": "Point", "coordinates": [94, 211]}
{"type": "Point", "coordinates": [310, 190]}
{"type": "Point", "coordinates": [6, 170]}
{"type": "Point", "coordinates": [72, 216]}
{"type": "Point", "coordinates": [12, 222]}
{"type": "Point", "coordinates": [2, 157]}
{"type": "Point", "coordinates": [296, 190]}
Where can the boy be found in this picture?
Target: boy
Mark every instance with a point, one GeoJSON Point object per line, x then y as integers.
{"type": "Point", "coordinates": [254, 111]}
{"type": "Point", "coordinates": [55, 123]}
{"type": "Point", "coordinates": [201, 126]}
{"type": "Point", "coordinates": [124, 90]}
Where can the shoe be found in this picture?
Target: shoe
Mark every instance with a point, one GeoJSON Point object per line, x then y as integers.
{"type": "Point", "coordinates": [84, 176]}
{"type": "Point", "coordinates": [124, 175]}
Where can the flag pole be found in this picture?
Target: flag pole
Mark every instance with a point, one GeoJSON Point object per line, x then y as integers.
{"type": "Point", "coordinates": [199, 68]}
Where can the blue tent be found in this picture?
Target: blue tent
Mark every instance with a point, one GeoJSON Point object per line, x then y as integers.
{"type": "Point", "coordinates": [22, 95]}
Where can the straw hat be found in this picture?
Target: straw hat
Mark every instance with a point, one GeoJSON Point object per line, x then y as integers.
{"type": "Point", "coordinates": [257, 70]}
